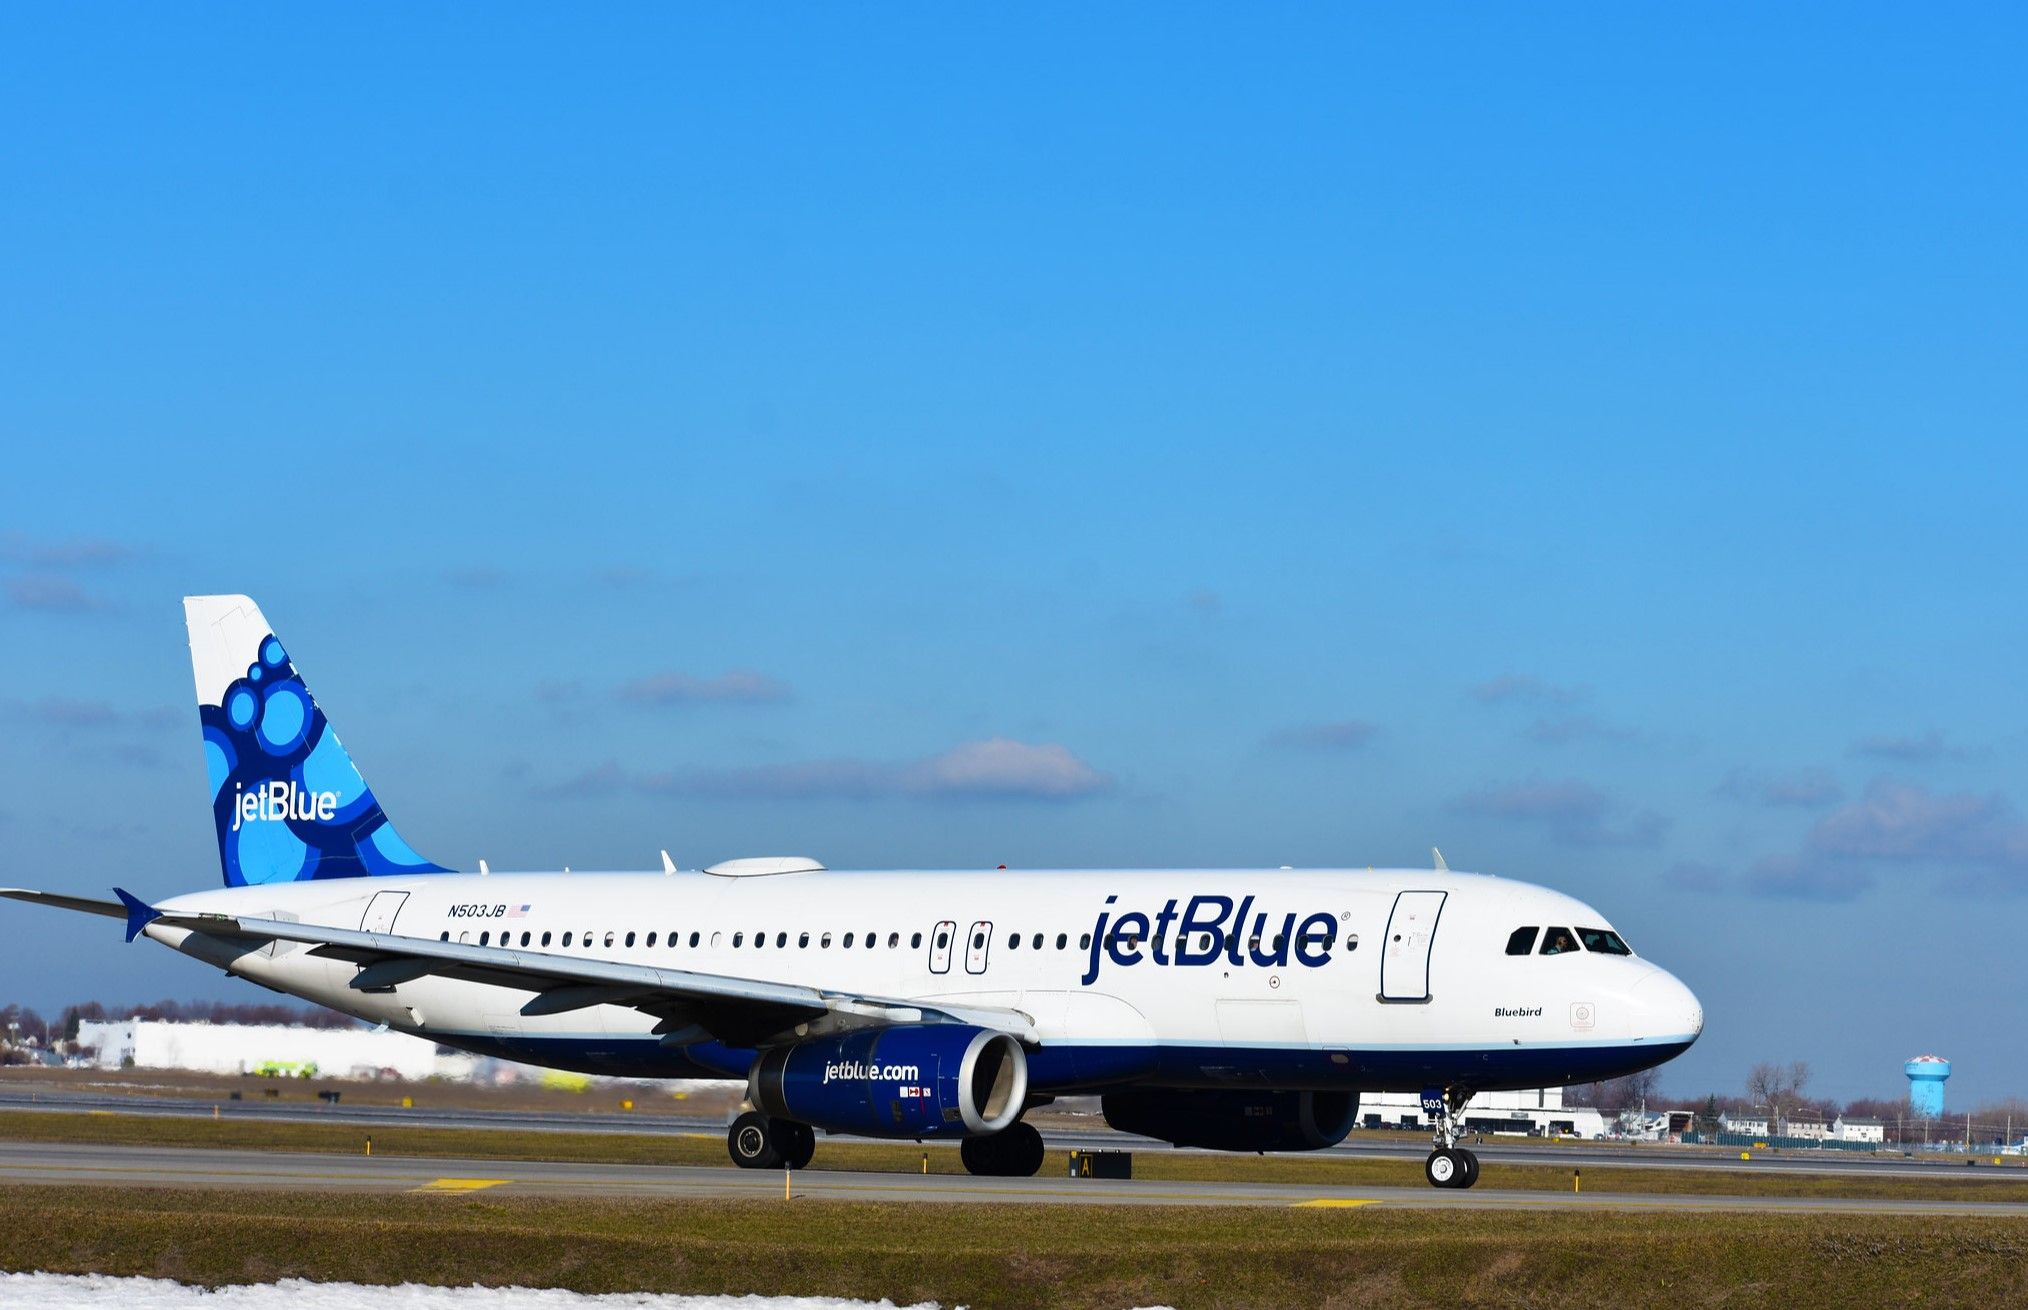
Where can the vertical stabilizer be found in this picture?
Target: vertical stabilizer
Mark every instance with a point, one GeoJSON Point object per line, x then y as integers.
{"type": "Point", "coordinates": [288, 801]}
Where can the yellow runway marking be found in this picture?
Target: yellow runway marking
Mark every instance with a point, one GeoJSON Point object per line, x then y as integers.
{"type": "Point", "coordinates": [460, 1185]}
{"type": "Point", "coordinates": [1334, 1203]}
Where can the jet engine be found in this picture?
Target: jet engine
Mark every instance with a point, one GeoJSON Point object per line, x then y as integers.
{"type": "Point", "coordinates": [908, 1080]}
{"type": "Point", "coordinates": [1220, 1120]}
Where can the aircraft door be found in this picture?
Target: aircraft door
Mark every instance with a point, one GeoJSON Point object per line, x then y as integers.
{"type": "Point", "coordinates": [380, 911]}
{"type": "Point", "coordinates": [1404, 954]}
{"type": "Point", "coordinates": [940, 946]}
{"type": "Point", "coordinates": [977, 943]}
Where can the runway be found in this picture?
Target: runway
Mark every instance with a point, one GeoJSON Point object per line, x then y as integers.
{"type": "Point", "coordinates": [129, 1167]}
{"type": "Point", "coordinates": [1364, 1143]}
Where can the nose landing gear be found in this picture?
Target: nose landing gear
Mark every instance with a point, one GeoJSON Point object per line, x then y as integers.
{"type": "Point", "coordinates": [1448, 1165]}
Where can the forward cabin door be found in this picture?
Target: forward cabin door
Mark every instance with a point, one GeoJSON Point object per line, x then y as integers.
{"type": "Point", "coordinates": [1404, 956]}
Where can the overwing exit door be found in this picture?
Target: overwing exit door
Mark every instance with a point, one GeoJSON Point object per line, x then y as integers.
{"type": "Point", "coordinates": [1404, 957]}
{"type": "Point", "coordinates": [940, 947]}
{"type": "Point", "coordinates": [977, 944]}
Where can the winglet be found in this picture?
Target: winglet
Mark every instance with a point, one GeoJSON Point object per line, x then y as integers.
{"type": "Point", "coordinates": [139, 913]}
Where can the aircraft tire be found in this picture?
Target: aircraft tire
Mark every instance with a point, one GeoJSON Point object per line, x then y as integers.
{"type": "Point", "coordinates": [795, 1143]}
{"type": "Point", "coordinates": [1471, 1158]}
{"type": "Point", "coordinates": [1023, 1151]}
{"type": "Point", "coordinates": [751, 1144]}
{"type": "Point", "coordinates": [981, 1156]}
{"type": "Point", "coordinates": [1444, 1168]}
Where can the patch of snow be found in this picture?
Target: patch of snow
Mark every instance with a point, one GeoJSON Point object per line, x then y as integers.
{"type": "Point", "coordinates": [103, 1292]}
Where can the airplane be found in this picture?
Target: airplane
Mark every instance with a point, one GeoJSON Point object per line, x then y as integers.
{"type": "Point", "coordinates": [1228, 1009]}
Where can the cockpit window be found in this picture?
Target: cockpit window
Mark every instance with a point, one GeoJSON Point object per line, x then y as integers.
{"type": "Point", "coordinates": [1522, 942]}
{"type": "Point", "coordinates": [1556, 941]}
{"type": "Point", "coordinates": [1603, 940]}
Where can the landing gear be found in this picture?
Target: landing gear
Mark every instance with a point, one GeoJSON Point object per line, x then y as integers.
{"type": "Point", "coordinates": [757, 1142]}
{"type": "Point", "coordinates": [1014, 1152]}
{"type": "Point", "coordinates": [1449, 1165]}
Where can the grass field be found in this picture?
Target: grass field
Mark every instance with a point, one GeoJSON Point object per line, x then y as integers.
{"type": "Point", "coordinates": [1027, 1255]}
{"type": "Point", "coordinates": [1321, 1171]}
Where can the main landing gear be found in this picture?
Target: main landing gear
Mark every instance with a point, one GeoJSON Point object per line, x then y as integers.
{"type": "Point", "coordinates": [757, 1142]}
{"type": "Point", "coordinates": [1013, 1152]}
{"type": "Point", "coordinates": [1448, 1165]}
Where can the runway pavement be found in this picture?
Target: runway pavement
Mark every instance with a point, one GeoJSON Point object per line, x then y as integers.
{"type": "Point", "coordinates": [1364, 1143]}
{"type": "Point", "coordinates": [127, 1167]}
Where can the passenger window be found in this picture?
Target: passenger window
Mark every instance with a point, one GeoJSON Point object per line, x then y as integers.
{"type": "Point", "coordinates": [524, 938]}
{"type": "Point", "coordinates": [1037, 943]}
{"type": "Point", "coordinates": [781, 940]}
{"type": "Point", "coordinates": [1084, 941]}
{"type": "Point", "coordinates": [630, 940]}
{"type": "Point", "coordinates": [914, 942]}
{"type": "Point", "coordinates": [803, 942]}
{"type": "Point", "coordinates": [943, 940]}
{"type": "Point", "coordinates": [714, 939]}
{"type": "Point", "coordinates": [1351, 942]}
{"type": "Point", "coordinates": [760, 939]}
{"type": "Point", "coordinates": [1604, 941]}
{"type": "Point", "coordinates": [1062, 940]}
{"type": "Point", "coordinates": [545, 939]}
{"type": "Point", "coordinates": [693, 939]}
{"type": "Point", "coordinates": [738, 938]}
{"type": "Point", "coordinates": [825, 940]}
{"type": "Point", "coordinates": [446, 937]}
{"type": "Point", "coordinates": [609, 940]}
{"type": "Point", "coordinates": [894, 940]}
{"type": "Point", "coordinates": [483, 936]}
{"type": "Point", "coordinates": [566, 939]}
{"type": "Point", "coordinates": [651, 939]}
{"type": "Point", "coordinates": [848, 941]}
{"type": "Point", "coordinates": [1013, 941]}
{"type": "Point", "coordinates": [1522, 941]}
{"type": "Point", "coordinates": [1557, 941]}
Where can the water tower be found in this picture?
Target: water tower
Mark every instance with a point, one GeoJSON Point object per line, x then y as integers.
{"type": "Point", "coordinates": [1926, 1077]}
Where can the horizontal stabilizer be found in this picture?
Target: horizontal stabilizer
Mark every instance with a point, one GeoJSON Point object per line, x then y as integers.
{"type": "Point", "coordinates": [83, 904]}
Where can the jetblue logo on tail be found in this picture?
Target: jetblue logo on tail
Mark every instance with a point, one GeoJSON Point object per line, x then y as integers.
{"type": "Point", "coordinates": [282, 800]}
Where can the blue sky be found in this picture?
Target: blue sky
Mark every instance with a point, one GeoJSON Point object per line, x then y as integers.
{"type": "Point", "coordinates": [1138, 436]}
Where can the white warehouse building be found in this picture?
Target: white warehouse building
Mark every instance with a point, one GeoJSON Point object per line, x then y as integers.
{"type": "Point", "coordinates": [1540, 1113]}
{"type": "Point", "coordinates": [272, 1049]}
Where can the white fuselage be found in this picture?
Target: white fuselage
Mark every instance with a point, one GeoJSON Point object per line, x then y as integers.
{"type": "Point", "coordinates": [1375, 980]}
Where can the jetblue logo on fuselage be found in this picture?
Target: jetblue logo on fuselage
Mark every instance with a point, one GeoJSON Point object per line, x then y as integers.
{"type": "Point", "coordinates": [1208, 930]}
{"type": "Point", "coordinates": [282, 800]}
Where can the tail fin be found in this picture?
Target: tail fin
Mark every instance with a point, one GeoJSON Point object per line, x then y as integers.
{"type": "Point", "coordinates": [287, 799]}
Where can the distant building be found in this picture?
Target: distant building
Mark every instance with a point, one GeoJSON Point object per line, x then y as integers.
{"type": "Point", "coordinates": [1806, 1128]}
{"type": "Point", "coordinates": [271, 1050]}
{"type": "Point", "coordinates": [1538, 1113]}
{"type": "Point", "coordinates": [1750, 1124]}
{"type": "Point", "coordinates": [1860, 1130]}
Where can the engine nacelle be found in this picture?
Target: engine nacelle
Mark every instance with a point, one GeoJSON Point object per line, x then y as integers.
{"type": "Point", "coordinates": [1235, 1120]}
{"type": "Point", "coordinates": [910, 1080]}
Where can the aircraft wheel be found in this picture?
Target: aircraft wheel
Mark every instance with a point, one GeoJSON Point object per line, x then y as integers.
{"type": "Point", "coordinates": [981, 1156]}
{"type": "Point", "coordinates": [1471, 1159]}
{"type": "Point", "coordinates": [1444, 1168]}
{"type": "Point", "coordinates": [751, 1144]}
{"type": "Point", "coordinates": [1023, 1151]}
{"type": "Point", "coordinates": [795, 1143]}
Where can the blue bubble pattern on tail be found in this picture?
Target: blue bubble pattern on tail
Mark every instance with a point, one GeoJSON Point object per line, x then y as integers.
{"type": "Point", "coordinates": [288, 801]}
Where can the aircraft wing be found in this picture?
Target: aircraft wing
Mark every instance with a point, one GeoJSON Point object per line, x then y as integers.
{"type": "Point", "coordinates": [688, 1006]}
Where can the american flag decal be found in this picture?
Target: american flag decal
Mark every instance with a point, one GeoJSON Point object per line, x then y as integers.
{"type": "Point", "coordinates": [517, 911]}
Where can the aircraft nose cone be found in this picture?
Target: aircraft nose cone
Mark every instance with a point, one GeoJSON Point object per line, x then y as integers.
{"type": "Point", "coordinates": [1668, 1008]}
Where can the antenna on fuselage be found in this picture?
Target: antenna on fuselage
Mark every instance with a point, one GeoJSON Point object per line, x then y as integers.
{"type": "Point", "coordinates": [668, 865]}
{"type": "Point", "coordinates": [483, 870]}
{"type": "Point", "coordinates": [1441, 867]}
